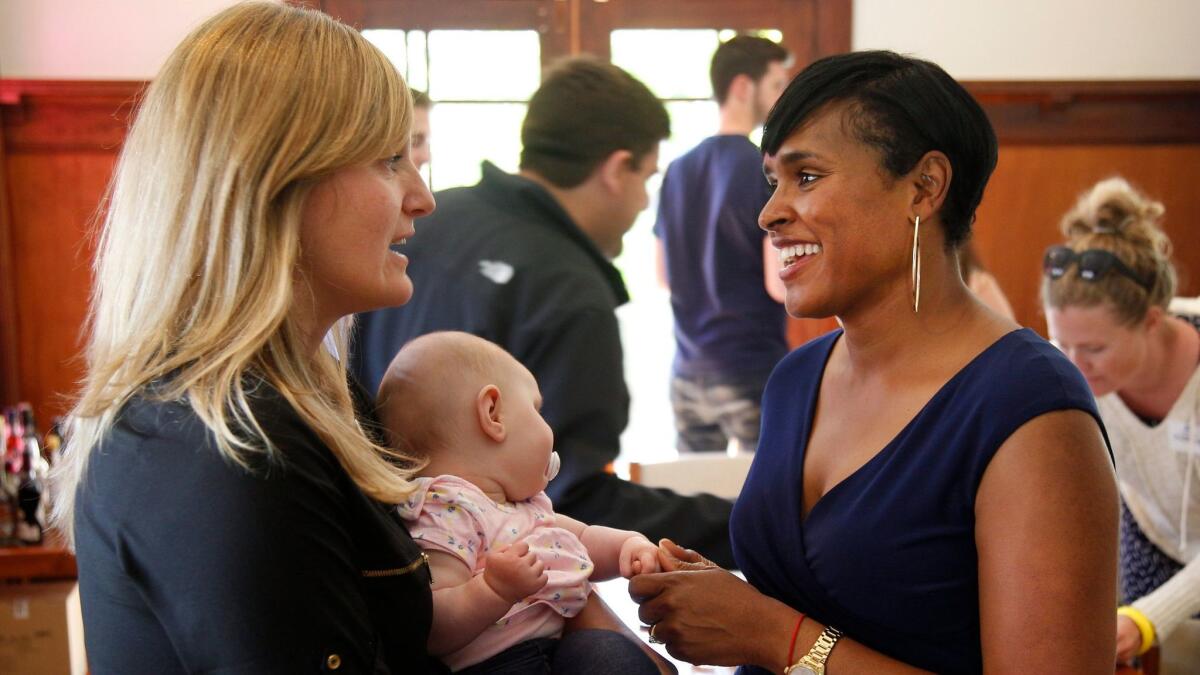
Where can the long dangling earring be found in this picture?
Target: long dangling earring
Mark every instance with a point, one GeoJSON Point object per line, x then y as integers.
{"type": "Point", "coordinates": [916, 265]}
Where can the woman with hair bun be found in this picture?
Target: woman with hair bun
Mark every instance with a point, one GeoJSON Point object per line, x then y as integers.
{"type": "Point", "coordinates": [1108, 297]}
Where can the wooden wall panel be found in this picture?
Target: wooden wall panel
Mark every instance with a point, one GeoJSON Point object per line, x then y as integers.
{"type": "Point", "coordinates": [1091, 113]}
{"type": "Point", "coordinates": [60, 142]}
{"type": "Point", "coordinates": [55, 197]}
{"type": "Point", "coordinates": [8, 312]}
{"type": "Point", "coordinates": [55, 116]}
{"type": "Point", "coordinates": [1034, 185]}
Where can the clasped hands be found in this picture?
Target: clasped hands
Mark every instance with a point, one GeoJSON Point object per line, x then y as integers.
{"type": "Point", "coordinates": [701, 612]}
{"type": "Point", "coordinates": [515, 572]}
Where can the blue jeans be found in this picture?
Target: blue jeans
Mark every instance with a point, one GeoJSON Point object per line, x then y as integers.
{"type": "Point", "coordinates": [583, 652]}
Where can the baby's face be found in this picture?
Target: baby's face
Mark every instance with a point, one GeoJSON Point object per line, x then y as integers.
{"type": "Point", "coordinates": [526, 457]}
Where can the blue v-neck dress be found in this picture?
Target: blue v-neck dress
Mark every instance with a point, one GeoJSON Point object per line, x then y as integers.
{"type": "Point", "coordinates": [888, 555]}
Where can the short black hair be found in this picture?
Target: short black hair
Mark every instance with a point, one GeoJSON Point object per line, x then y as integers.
{"type": "Point", "coordinates": [742, 55]}
{"type": "Point", "coordinates": [903, 107]}
{"type": "Point", "coordinates": [585, 110]}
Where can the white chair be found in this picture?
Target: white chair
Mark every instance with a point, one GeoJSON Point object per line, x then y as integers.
{"type": "Point", "coordinates": [719, 474]}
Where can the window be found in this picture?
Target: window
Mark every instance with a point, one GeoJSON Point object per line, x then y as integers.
{"type": "Point", "coordinates": [483, 101]}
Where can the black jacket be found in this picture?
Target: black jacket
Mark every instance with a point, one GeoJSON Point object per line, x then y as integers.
{"type": "Point", "coordinates": [189, 563]}
{"type": "Point", "coordinates": [504, 261]}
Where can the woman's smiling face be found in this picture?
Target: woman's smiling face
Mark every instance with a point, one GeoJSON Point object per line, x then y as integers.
{"type": "Point", "coordinates": [838, 218]}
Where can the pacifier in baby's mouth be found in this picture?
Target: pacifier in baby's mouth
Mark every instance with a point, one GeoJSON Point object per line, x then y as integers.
{"type": "Point", "coordinates": [553, 466]}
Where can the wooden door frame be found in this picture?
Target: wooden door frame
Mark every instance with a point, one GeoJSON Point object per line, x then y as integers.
{"type": "Point", "coordinates": [550, 18]}
{"type": "Point", "coordinates": [811, 28]}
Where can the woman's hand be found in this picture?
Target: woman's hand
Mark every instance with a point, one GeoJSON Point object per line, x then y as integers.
{"type": "Point", "coordinates": [709, 616]}
{"type": "Point", "coordinates": [1129, 639]}
{"type": "Point", "coordinates": [673, 557]}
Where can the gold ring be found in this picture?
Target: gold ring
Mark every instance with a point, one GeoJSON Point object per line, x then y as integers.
{"type": "Point", "coordinates": [654, 640]}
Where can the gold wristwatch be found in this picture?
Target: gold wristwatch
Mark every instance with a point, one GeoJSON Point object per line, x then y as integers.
{"type": "Point", "coordinates": [813, 663]}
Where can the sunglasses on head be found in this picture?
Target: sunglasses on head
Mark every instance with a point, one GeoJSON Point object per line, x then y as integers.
{"type": "Point", "coordinates": [1091, 265]}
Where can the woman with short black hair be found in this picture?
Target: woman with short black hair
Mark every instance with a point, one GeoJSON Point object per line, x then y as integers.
{"type": "Point", "coordinates": [932, 489]}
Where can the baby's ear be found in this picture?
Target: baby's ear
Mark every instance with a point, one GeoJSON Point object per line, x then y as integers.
{"type": "Point", "coordinates": [487, 413]}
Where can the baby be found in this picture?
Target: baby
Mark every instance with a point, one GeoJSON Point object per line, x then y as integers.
{"type": "Point", "coordinates": [506, 569]}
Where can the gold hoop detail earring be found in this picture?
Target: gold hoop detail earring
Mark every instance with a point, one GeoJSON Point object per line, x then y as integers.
{"type": "Point", "coordinates": [916, 265]}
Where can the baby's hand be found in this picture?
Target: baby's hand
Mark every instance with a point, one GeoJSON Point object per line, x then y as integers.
{"type": "Point", "coordinates": [638, 556]}
{"type": "Point", "coordinates": [514, 572]}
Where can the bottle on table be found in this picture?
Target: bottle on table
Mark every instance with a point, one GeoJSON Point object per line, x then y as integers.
{"type": "Point", "coordinates": [13, 452]}
{"type": "Point", "coordinates": [31, 482]}
{"type": "Point", "coordinates": [14, 443]}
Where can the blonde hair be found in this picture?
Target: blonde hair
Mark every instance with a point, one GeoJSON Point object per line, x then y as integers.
{"type": "Point", "coordinates": [429, 380]}
{"type": "Point", "coordinates": [1116, 217]}
{"type": "Point", "coordinates": [196, 268]}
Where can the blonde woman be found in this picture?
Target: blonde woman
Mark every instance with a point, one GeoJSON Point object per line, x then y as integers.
{"type": "Point", "coordinates": [1108, 298]}
{"type": "Point", "coordinates": [223, 498]}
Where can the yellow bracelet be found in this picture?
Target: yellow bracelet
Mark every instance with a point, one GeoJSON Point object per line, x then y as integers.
{"type": "Point", "coordinates": [1143, 625]}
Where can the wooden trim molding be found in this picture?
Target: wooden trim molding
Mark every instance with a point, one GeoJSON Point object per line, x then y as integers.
{"type": "Point", "coordinates": [811, 28]}
{"type": "Point", "coordinates": [434, 14]}
{"type": "Point", "coordinates": [1092, 113]}
{"type": "Point", "coordinates": [46, 562]}
{"type": "Point", "coordinates": [66, 115]}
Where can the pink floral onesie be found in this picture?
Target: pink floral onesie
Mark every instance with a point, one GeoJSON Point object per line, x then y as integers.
{"type": "Point", "coordinates": [451, 515]}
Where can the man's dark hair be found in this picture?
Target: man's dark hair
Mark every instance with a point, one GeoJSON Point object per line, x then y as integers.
{"type": "Point", "coordinates": [742, 55]}
{"type": "Point", "coordinates": [584, 111]}
{"type": "Point", "coordinates": [421, 99]}
{"type": "Point", "coordinates": [903, 107]}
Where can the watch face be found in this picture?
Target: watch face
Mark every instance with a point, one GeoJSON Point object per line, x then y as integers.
{"type": "Point", "coordinates": [804, 670]}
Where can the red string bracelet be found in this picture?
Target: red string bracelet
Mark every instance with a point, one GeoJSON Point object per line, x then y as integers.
{"type": "Point", "coordinates": [792, 647]}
